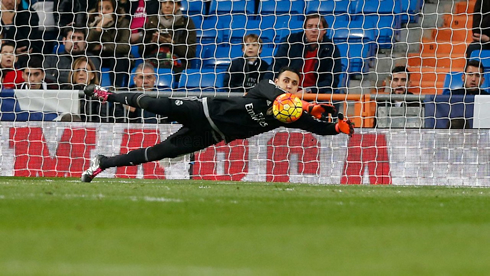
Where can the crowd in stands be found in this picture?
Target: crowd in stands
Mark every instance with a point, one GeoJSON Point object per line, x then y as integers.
{"type": "Point", "coordinates": [62, 44]}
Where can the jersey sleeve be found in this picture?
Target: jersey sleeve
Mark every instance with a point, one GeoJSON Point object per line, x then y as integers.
{"type": "Point", "coordinates": [309, 123]}
{"type": "Point", "coordinates": [265, 89]}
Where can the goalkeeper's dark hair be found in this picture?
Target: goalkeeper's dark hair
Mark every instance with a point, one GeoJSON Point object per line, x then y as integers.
{"type": "Point", "coordinates": [401, 69]}
{"type": "Point", "coordinates": [290, 69]}
{"type": "Point", "coordinates": [316, 15]}
{"type": "Point", "coordinates": [474, 63]}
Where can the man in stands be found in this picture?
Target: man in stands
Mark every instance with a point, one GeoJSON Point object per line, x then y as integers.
{"type": "Point", "coordinates": [313, 54]}
{"type": "Point", "coordinates": [399, 84]}
{"type": "Point", "coordinates": [144, 80]}
{"type": "Point", "coordinates": [33, 75]}
{"type": "Point", "coordinates": [472, 80]}
{"type": "Point", "coordinates": [59, 66]}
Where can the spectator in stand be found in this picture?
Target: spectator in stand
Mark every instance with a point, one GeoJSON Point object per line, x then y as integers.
{"type": "Point", "coordinates": [59, 66]}
{"type": "Point", "coordinates": [21, 26]}
{"type": "Point", "coordinates": [10, 76]}
{"type": "Point", "coordinates": [108, 36]}
{"type": "Point", "coordinates": [144, 80]}
{"type": "Point", "coordinates": [33, 75]}
{"type": "Point", "coordinates": [169, 38]}
{"type": "Point", "coordinates": [399, 84]}
{"type": "Point", "coordinates": [246, 71]}
{"type": "Point", "coordinates": [481, 28]}
{"type": "Point", "coordinates": [83, 73]}
{"type": "Point", "coordinates": [139, 11]}
{"type": "Point", "coordinates": [472, 80]}
{"type": "Point", "coordinates": [313, 54]}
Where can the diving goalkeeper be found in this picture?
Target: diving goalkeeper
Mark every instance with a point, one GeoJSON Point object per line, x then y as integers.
{"type": "Point", "coordinates": [208, 121]}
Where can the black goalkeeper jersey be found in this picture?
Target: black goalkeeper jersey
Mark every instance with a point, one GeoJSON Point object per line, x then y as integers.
{"type": "Point", "coordinates": [244, 117]}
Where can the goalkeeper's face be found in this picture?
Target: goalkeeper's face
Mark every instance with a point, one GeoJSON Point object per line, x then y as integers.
{"type": "Point", "coordinates": [288, 81]}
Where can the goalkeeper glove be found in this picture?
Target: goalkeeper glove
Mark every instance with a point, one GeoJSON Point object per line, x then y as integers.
{"type": "Point", "coordinates": [344, 125]}
{"type": "Point", "coordinates": [319, 111]}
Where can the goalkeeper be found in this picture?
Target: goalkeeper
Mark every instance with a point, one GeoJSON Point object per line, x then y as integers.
{"type": "Point", "coordinates": [208, 121]}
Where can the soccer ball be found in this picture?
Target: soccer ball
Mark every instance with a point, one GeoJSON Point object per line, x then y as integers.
{"type": "Point", "coordinates": [287, 108]}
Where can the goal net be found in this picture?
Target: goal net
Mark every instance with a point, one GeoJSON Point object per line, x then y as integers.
{"type": "Point", "coordinates": [411, 75]}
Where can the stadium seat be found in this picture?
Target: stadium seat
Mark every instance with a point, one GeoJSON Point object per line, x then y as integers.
{"type": "Point", "coordinates": [267, 53]}
{"type": "Point", "coordinates": [281, 7]}
{"type": "Point", "coordinates": [250, 26]}
{"type": "Point", "coordinates": [454, 80]}
{"type": "Point", "coordinates": [384, 16]}
{"type": "Point", "coordinates": [224, 7]}
{"type": "Point", "coordinates": [204, 80]}
{"type": "Point", "coordinates": [483, 56]}
{"type": "Point", "coordinates": [355, 42]}
{"type": "Point", "coordinates": [208, 37]}
{"type": "Point", "coordinates": [286, 25]}
{"type": "Point", "coordinates": [135, 51]}
{"type": "Point", "coordinates": [193, 7]}
{"type": "Point", "coordinates": [221, 58]}
{"type": "Point", "coordinates": [105, 77]}
{"type": "Point", "coordinates": [328, 7]}
{"type": "Point", "coordinates": [410, 10]}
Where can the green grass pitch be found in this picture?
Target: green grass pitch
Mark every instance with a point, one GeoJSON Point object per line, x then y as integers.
{"type": "Point", "coordinates": [146, 227]}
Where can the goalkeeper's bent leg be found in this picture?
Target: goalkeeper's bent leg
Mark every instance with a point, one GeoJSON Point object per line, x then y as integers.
{"type": "Point", "coordinates": [155, 105]}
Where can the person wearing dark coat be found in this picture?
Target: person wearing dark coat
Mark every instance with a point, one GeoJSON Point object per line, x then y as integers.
{"type": "Point", "coordinates": [248, 70]}
{"type": "Point", "coordinates": [313, 54]}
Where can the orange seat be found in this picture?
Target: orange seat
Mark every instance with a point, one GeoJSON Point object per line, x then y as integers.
{"type": "Point", "coordinates": [458, 21]}
{"type": "Point", "coordinates": [437, 60]}
{"type": "Point", "coordinates": [465, 7]}
{"type": "Point", "coordinates": [429, 46]}
{"type": "Point", "coordinates": [447, 34]}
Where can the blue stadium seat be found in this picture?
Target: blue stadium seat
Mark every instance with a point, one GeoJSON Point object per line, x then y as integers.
{"type": "Point", "coordinates": [221, 58]}
{"type": "Point", "coordinates": [328, 7]}
{"type": "Point", "coordinates": [135, 51]}
{"type": "Point", "coordinates": [268, 53]}
{"type": "Point", "coordinates": [384, 15]}
{"type": "Point", "coordinates": [193, 7]}
{"type": "Point", "coordinates": [204, 80]}
{"type": "Point", "coordinates": [208, 36]}
{"type": "Point", "coordinates": [454, 80]}
{"type": "Point", "coordinates": [483, 56]}
{"type": "Point", "coordinates": [411, 10]}
{"type": "Point", "coordinates": [281, 7]}
{"type": "Point", "coordinates": [250, 26]}
{"type": "Point", "coordinates": [105, 77]}
{"type": "Point", "coordinates": [165, 79]}
{"type": "Point", "coordinates": [355, 40]}
{"type": "Point", "coordinates": [224, 7]}
{"type": "Point", "coordinates": [285, 25]}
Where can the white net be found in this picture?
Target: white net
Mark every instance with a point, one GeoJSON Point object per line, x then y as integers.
{"type": "Point", "coordinates": [400, 69]}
